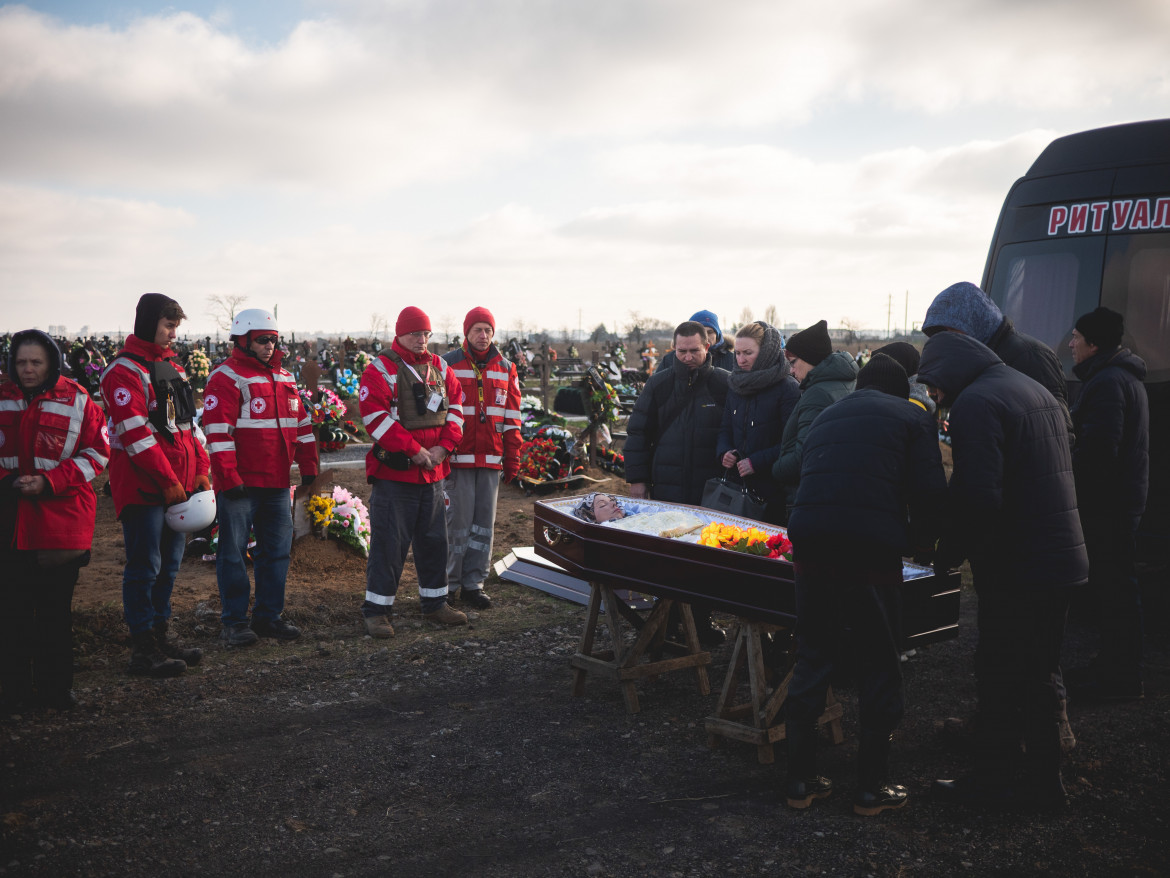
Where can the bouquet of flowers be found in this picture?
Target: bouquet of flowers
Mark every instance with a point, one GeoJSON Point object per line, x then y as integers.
{"type": "Point", "coordinates": [198, 368]}
{"type": "Point", "coordinates": [752, 541]}
{"type": "Point", "coordinates": [604, 404]}
{"type": "Point", "coordinates": [347, 381]}
{"type": "Point", "coordinates": [329, 410]}
{"type": "Point", "coordinates": [341, 516]}
{"type": "Point", "coordinates": [360, 360]}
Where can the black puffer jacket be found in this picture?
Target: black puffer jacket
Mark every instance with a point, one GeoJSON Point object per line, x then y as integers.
{"type": "Point", "coordinates": [1112, 418]}
{"type": "Point", "coordinates": [754, 426]}
{"type": "Point", "coordinates": [676, 461]}
{"type": "Point", "coordinates": [1036, 360]}
{"type": "Point", "coordinates": [1011, 503]}
{"type": "Point", "coordinates": [871, 475]}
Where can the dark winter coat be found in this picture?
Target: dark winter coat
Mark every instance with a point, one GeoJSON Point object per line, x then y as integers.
{"type": "Point", "coordinates": [1011, 503]}
{"type": "Point", "coordinates": [1111, 458]}
{"type": "Point", "coordinates": [1036, 360]}
{"type": "Point", "coordinates": [830, 380]}
{"type": "Point", "coordinates": [753, 426]}
{"type": "Point", "coordinates": [672, 432]}
{"type": "Point", "coordinates": [871, 476]}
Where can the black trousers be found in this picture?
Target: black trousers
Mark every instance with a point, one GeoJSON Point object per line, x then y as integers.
{"type": "Point", "coordinates": [1017, 670]}
{"type": "Point", "coordinates": [848, 608]}
{"type": "Point", "coordinates": [36, 627]}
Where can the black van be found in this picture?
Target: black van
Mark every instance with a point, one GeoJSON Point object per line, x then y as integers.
{"type": "Point", "coordinates": [1089, 225]}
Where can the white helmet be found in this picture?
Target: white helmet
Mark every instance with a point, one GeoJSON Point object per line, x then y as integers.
{"type": "Point", "coordinates": [194, 514]}
{"type": "Point", "coordinates": [253, 318]}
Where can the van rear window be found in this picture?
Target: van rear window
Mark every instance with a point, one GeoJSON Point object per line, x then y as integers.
{"type": "Point", "coordinates": [1043, 286]}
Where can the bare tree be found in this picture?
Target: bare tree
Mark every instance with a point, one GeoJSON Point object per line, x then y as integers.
{"type": "Point", "coordinates": [379, 326]}
{"type": "Point", "coordinates": [745, 316]}
{"type": "Point", "coordinates": [771, 317]}
{"type": "Point", "coordinates": [223, 308]}
{"type": "Point", "coordinates": [850, 325]}
{"type": "Point", "coordinates": [446, 321]}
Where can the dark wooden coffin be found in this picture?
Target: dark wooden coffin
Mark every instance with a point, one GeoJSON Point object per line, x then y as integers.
{"type": "Point", "coordinates": [751, 586]}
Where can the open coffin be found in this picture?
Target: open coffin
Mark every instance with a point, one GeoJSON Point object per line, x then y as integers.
{"type": "Point", "coordinates": [751, 586]}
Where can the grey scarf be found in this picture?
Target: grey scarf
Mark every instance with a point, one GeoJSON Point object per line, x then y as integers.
{"type": "Point", "coordinates": [771, 367]}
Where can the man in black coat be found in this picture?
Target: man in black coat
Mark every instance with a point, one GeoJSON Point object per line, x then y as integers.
{"type": "Point", "coordinates": [672, 432]}
{"type": "Point", "coordinates": [965, 308]}
{"type": "Point", "coordinates": [871, 491]}
{"type": "Point", "coordinates": [1011, 510]}
{"type": "Point", "coordinates": [1111, 461]}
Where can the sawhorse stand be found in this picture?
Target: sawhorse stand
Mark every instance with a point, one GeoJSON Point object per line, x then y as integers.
{"type": "Point", "coordinates": [625, 663]}
{"type": "Point", "coordinates": [754, 721]}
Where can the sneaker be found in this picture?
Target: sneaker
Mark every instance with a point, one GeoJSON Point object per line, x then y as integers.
{"type": "Point", "coordinates": [447, 616]}
{"type": "Point", "coordinates": [147, 660]}
{"type": "Point", "coordinates": [476, 598]}
{"type": "Point", "coordinates": [238, 634]}
{"type": "Point", "coordinates": [379, 626]}
{"type": "Point", "coordinates": [277, 628]}
{"type": "Point", "coordinates": [870, 803]}
{"type": "Point", "coordinates": [800, 794]}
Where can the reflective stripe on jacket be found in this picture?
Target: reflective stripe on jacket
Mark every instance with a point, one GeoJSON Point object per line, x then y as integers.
{"type": "Point", "coordinates": [378, 403]}
{"type": "Point", "coordinates": [256, 424]}
{"type": "Point", "coordinates": [142, 465]}
{"type": "Point", "coordinates": [491, 411]}
{"type": "Point", "coordinates": [61, 435]}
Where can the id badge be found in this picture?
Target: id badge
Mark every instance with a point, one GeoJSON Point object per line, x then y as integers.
{"type": "Point", "coordinates": [434, 401]}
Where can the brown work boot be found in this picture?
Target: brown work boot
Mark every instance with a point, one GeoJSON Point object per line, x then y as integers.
{"type": "Point", "coordinates": [379, 626]}
{"type": "Point", "coordinates": [446, 615]}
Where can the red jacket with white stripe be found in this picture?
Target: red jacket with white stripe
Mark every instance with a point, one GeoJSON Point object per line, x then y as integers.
{"type": "Point", "coordinates": [491, 411]}
{"type": "Point", "coordinates": [142, 464]}
{"type": "Point", "coordinates": [378, 404]}
{"type": "Point", "coordinates": [256, 424]}
{"type": "Point", "coordinates": [59, 434]}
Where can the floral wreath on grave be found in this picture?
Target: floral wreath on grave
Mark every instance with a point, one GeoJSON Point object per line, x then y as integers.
{"type": "Point", "coordinates": [605, 405]}
{"type": "Point", "coordinates": [346, 381]}
{"type": "Point", "coordinates": [198, 368]}
{"type": "Point", "coordinates": [341, 516]}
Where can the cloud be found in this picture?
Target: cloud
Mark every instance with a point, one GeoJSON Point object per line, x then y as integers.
{"type": "Point", "coordinates": [378, 95]}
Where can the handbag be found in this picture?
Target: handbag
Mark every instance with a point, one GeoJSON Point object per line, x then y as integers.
{"type": "Point", "coordinates": [732, 498]}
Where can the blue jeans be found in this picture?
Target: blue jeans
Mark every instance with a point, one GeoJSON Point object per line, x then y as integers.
{"type": "Point", "coordinates": [267, 512]}
{"type": "Point", "coordinates": [153, 555]}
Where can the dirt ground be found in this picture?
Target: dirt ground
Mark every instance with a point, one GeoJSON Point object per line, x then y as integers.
{"type": "Point", "coordinates": [463, 751]}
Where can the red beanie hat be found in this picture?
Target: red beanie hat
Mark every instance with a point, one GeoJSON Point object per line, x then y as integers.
{"type": "Point", "coordinates": [412, 319]}
{"type": "Point", "coordinates": [478, 315]}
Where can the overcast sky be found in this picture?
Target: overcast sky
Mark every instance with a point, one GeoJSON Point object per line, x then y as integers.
{"type": "Point", "coordinates": [563, 162]}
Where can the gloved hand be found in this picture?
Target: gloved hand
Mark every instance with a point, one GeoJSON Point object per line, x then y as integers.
{"type": "Point", "coordinates": [510, 473]}
{"type": "Point", "coordinates": [307, 480]}
{"type": "Point", "coordinates": [173, 494]}
{"type": "Point", "coordinates": [239, 492]}
{"type": "Point", "coordinates": [202, 483]}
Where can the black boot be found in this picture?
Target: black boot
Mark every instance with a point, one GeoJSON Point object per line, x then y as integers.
{"type": "Point", "coordinates": [874, 791]}
{"type": "Point", "coordinates": [171, 648]}
{"type": "Point", "coordinates": [146, 659]}
{"type": "Point", "coordinates": [709, 634]}
{"type": "Point", "coordinates": [803, 783]}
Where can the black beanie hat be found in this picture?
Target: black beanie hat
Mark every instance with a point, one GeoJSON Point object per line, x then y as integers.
{"type": "Point", "coordinates": [904, 353]}
{"type": "Point", "coordinates": [885, 374]}
{"type": "Point", "coordinates": [812, 345]}
{"type": "Point", "coordinates": [148, 313]}
{"type": "Point", "coordinates": [1102, 328]}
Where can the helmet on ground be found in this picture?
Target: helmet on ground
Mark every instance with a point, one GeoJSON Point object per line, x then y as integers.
{"type": "Point", "coordinates": [253, 318]}
{"type": "Point", "coordinates": [194, 514]}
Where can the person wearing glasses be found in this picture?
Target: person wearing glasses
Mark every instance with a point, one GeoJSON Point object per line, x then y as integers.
{"type": "Point", "coordinates": [411, 404]}
{"type": "Point", "coordinates": [256, 429]}
{"type": "Point", "coordinates": [488, 452]}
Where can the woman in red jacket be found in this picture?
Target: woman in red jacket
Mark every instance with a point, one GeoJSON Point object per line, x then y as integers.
{"type": "Point", "coordinates": [52, 443]}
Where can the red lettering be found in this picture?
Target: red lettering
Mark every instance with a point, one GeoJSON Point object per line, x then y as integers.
{"type": "Point", "coordinates": [1161, 214]}
{"type": "Point", "coordinates": [1121, 211]}
{"type": "Point", "coordinates": [1057, 217]}
{"type": "Point", "coordinates": [1141, 214]}
{"type": "Point", "coordinates": [1099, 209]}
{"type": "Point", "coordinates": [1078, 217]}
